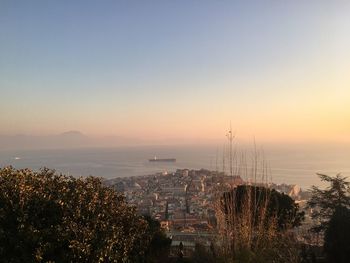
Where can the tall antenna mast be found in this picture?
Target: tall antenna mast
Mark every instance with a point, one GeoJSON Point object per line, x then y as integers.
{"type": "Point", "coordinates": [230, 138]}
{"type": "Point", "coordinates": [223, 159]}
{"type": "Point", "coordinates": [216, 162]}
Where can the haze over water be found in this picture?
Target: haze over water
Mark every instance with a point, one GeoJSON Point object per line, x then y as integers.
{"type": "Point", "coordinates": [292, 165]}
{"type": "Point", "coordinates": [174, 73]}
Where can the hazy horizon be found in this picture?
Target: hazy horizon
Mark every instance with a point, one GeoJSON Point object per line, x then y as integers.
{"type": "Point", "coordinates": [174, 130]}
{"type": "Point", "coordinates": [177, 71]}
{"type": "Point", "coordinates": [76, 139]}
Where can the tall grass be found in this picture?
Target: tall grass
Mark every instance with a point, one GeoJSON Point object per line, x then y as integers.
{"type": "Point", "coordinates": [246, 230]}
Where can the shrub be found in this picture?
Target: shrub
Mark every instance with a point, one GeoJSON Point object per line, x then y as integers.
{"type": "Point", "coordinates": [49, 217]}
{"type": "Point", "coordinates": [254, 225]}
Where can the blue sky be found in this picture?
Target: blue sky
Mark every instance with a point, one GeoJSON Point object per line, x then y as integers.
{"type": "Point", "coordinates": [175, 68]}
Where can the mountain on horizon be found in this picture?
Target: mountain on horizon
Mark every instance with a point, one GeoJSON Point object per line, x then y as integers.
{"type": "Point", "coordinates": [67, 139]}
{"type": "Point", "coordinates": [72, 133]}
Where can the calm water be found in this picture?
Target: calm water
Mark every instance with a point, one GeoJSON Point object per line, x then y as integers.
{"type": "Point", "coordinates": [294, 165]}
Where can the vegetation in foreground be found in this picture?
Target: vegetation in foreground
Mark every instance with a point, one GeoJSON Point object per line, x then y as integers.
{"type": "Point", "coordinates": [46, 217]}
{"type": "Point", "coordinates": [255, 225]}
{"type": "Point", "coordinates": [331, 212]}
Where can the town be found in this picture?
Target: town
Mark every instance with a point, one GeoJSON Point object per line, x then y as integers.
{"type": "Point", "coordinates": [184, 201]}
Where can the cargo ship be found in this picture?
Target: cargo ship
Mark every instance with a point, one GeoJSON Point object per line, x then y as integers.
{"type": "Point", "coordinates": [155, 159]}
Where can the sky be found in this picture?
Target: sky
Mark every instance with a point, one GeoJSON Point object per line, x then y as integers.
{"type": "Point", "coordinates": [177, 70]}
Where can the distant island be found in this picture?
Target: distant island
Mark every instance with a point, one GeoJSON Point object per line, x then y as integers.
{"type": "Point", "coordinates": [68, 140]}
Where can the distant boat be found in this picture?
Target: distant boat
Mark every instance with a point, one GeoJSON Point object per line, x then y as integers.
{"type": "Point", "coordinates": [155, 159]}
{"type": "Point", "coordinates": [17, 158]}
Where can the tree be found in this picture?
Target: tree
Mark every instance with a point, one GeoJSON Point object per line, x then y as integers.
{"type": "Point", "coordinates": [332, 216]}
{"type": "Point", "coordinates": [325, 202]}
{"type": "Point", "coordinates": [49, 217]}
{"type": "Point", "coordinates": [202, 255]}
{"type": "Point", "coordinates": [253, 199]}
{"type": "Point", "coordinates": [159, 246]}
{"type": "Point", "coordinates": [254, 224]}
{"type": "Point", "coordinates": [337, 236]}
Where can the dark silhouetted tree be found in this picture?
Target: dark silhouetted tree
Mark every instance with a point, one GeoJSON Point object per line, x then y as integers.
{"type": "Point", "coordinates": [202, 255]}
{"type": "Point", "coordinates": [325, 202]}
{"type": "Point", "coordinates": [46, 217]}
{"type": "Point", "coordinates": [159, 246]}
{"type": "Point", "coordinates": [277, 204]}
{"type": "Point", "coordinates": [254, 224]}
{"type": "Point", "coordinates": [337, 236]}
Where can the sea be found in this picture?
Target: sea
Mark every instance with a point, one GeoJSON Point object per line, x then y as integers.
{"type": "Point", "coordinates": [290, 164]}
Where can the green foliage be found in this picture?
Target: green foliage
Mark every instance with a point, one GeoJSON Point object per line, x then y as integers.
{"type": "Point", "coordinates": [337, 236]}
{"type": "Point", "coordinates": [279, 205]}
{"type": "Point", "coordinates": [331, 212]}
{"type": "Point", "coordinates": [159, 246]}
{"type": "Point", "coordinates": [255, 225]}
{"type": "Point", "coordinates": [325, 202]}
{"type": "Point", "coordinates": [45, 217]}
{"type": "Point", "coordinates": [201, 255]}
{"type": "Point", "coordinates": [283, 248]}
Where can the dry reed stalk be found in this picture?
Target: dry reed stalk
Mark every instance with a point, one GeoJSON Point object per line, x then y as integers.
{"type": "Point", "coordinates": [243, 223]}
